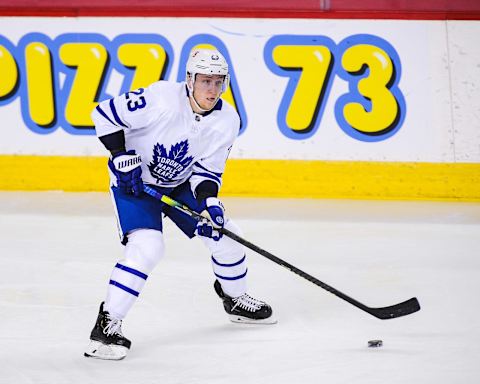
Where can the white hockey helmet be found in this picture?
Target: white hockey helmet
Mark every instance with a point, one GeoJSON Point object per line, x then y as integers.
{"type": "Point", "coordinates": [206, 62]}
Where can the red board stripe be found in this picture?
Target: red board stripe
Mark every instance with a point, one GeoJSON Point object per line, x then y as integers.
{"type": "Point", "coordinates": [307, 9]}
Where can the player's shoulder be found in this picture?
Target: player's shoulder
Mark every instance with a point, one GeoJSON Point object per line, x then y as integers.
{"type": "Point", "coordinates": [228, 109]}
{"type": "Point", "coordinates": [228, 113]}
{"type": "Point", "coordinates": [227, 121]}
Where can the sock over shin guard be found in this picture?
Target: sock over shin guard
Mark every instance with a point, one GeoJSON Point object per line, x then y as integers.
{"type": "Point", "coordinates": [142, 253]}
{"type": "Point", "coordinates": [229, 262]}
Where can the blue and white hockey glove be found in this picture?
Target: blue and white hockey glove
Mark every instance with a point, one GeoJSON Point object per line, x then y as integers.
{"type": "Point", "coordinates": [213, 213]}
{"type": "Point", "coordinates": [126, 166]}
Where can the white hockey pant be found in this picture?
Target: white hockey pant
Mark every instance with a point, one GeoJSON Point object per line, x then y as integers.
{"type": "Point", "coordinates": [145, 248]}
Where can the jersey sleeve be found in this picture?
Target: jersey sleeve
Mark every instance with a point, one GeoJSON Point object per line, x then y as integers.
{"type": "Point", "coordinates": [212, 166]}
{"type": "Point", "coordinates": [132, 110]}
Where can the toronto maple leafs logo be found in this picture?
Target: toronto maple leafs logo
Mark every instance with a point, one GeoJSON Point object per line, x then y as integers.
{"type": "Point", "coordinates": [166, 167]}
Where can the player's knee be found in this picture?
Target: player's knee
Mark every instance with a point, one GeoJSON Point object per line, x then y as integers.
{"type": "Point", "coordinates": [145, 248]}
{"type": "Point", "coordinates": [227, 250]}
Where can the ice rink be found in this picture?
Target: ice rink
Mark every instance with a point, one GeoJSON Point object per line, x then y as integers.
{"type": "Point", "coordinates": [58, 249]}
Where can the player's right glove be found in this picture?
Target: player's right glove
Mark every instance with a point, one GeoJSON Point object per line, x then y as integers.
{"type": "Point", "coordinates": [213, 212]}
{"type": "Point", "coordinates": [126, 166]}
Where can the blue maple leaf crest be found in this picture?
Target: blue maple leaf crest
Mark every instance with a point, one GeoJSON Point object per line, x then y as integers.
{"type": "Point", "coordinates": [166, 167]}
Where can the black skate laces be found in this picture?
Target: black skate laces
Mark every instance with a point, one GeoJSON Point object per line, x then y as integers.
{"type": "Point", "coordinates": [248, 303]}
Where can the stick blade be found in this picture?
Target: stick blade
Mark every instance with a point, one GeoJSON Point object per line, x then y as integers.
{"type": "Point", "coordinates": [398, 310]}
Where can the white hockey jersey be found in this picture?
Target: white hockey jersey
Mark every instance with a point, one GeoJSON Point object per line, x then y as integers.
{"type": "Point", "coordinates": [174, 142]}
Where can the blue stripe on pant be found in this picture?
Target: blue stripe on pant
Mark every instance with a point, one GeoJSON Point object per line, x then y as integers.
{"type": "Point", "coordinates": [124, 287]}
{"type": "Point", "coordinates": [132, 271]}
{"type": "Point", "coordinates": [229, 265]}
{"type": "Point", "coordinates": [230, 271]}
{"type": "Point", "coordinates": [128, 279]}
{"type": "Point", "coordinates": [232, 277]}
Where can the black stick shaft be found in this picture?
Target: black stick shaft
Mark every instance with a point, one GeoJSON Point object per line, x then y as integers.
{"type": "Point", "coordinates": [401, 309]}
{"type": "Point", "coordinates": [291, 268]}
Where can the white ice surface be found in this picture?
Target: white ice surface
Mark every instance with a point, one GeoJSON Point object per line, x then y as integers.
{"type": "Point", "coordinates": [58, 249]}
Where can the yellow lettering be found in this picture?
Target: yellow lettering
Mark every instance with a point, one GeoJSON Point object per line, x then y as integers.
{"type": "Point", "coordinates": [9, 72]}
{"type": "Point", "coordinates": [41, 99]}
{"type": "Point", "coordinates": [148, 60]}
{"type": "Point", "coordinates": [90, 60]}
{"type": "Point", "coordinates": [315, 62]}
{"type": "Point", "coordinates": [374, 87]}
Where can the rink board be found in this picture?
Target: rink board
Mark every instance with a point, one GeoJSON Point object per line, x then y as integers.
{"type": "Point", "coordinates": [341, 108]}
{"type": "Point", "coordinates": [268, 178]}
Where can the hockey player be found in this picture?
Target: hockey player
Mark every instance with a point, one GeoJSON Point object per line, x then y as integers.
{"type": "Point", "coordinates": [175, 137]}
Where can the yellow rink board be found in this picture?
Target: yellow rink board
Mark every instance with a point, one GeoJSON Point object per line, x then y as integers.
{"type": "Point", "coordinates": [268, 178]}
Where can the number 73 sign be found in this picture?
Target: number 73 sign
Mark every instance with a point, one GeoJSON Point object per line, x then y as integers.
{"type": "Point", "coordinates": [374, 107]}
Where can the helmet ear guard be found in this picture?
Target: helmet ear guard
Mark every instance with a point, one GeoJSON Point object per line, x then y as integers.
{"type": "Point", "coordinates": [190, 79]}
{"type": "Point", "coordinates": [226, 83]}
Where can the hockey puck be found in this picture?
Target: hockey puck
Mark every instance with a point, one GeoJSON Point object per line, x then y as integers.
{"type": "Point", "coordinates": [375, 343]}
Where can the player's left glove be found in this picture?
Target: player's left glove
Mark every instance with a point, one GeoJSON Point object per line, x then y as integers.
{"type": "Point", "coordinates": [213, 212]}
{"type": "Point", "coordinates": [126, 166]}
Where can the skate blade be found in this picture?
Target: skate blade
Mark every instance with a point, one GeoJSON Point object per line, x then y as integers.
{"type": "Point", "coordinates": [246, 320]}
{"type": "Point", "coordinates": [97, 350]}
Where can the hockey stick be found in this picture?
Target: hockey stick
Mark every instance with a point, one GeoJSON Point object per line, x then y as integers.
{"type": "Point", "coordinates": [401, 309]}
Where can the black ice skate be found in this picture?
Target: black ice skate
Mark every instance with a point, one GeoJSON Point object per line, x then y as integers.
{"type": "Point", "coordinates": [106, 340]}
{"type": "Point", "coordinates": [245, 309]}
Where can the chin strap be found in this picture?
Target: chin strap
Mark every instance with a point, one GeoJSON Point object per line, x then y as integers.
{"type": "Point", "coordinates": [200, 108]}
{"type": "Point", "coordinates": [192, 97]}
